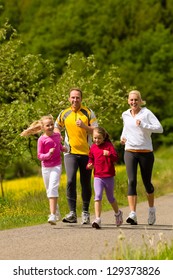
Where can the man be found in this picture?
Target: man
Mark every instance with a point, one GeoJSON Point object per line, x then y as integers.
{"type": "Point", "coordinates": [78, 122]}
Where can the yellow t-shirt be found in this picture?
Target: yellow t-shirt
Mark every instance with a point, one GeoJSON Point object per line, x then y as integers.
{"type": "Point", "coordinates": [77, 139]}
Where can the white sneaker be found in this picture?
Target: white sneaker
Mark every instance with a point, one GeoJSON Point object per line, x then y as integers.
{"type": "Point", "coordinates": [96, 223]}
{"type": "Point", "coordinates": [58, 215]}
{"type": "Point", "coordinates": [85, 218]}
{"type": "Point", "coordinates": [52, 219]}
{"type": "Point", "coordinates": [151, 216]}
{"type": "Point", "coordinates": [132, 219]}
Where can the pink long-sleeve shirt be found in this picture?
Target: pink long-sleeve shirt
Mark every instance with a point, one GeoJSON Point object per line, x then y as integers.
{"type": "Point", "coordinates": [44, 144]}
{"type": "Point", "coordinates": [103, 165]}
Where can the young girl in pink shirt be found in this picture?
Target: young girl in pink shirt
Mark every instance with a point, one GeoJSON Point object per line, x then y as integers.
{"type": "Point", "coordinates": [49, 150]}
{"type": "Point", "coordinates": [102, 157]}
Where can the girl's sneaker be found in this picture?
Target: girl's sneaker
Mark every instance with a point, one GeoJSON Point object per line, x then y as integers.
{"type": "Point", "coordinates": [96, 223]}
{"type": "Point", "coordinates": [119, 218]}
{"type": "Point", "coordinates": [52, 219]}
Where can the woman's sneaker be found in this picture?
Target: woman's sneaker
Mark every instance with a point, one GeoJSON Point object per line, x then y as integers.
{"type": "Point", "coordinates": [119, 218]}
{"type": "Point", "coordinates": [96, 223]}
{"type": "Point", "coordinates": [151, 216]}
{"type": "Point", "coordinates": [132, 219]}
{"type": "Point", "coordinates": [52, 219]}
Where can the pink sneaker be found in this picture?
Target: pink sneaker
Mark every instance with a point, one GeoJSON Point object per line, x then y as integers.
{"type": "Point", "coordinates": [119, 218]}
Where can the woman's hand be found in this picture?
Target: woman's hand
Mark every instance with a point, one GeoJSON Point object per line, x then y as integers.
{"type": "Point", "coordinates": [123, 141]}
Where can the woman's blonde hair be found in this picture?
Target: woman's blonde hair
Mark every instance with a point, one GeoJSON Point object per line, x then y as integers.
{"type": "Point", "coordinates": [36, 126]}
{"type": "Point", "coordinates": [143, 102]}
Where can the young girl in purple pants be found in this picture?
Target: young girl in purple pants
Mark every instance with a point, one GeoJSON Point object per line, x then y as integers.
{"type": "Point", "coordinates": [102, 157]}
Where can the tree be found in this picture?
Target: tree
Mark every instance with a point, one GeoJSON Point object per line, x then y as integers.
{"type": "Point", "coordinates": [23, 79]}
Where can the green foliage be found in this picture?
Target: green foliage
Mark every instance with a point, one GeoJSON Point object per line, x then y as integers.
{"type": "Point", "coordinates": [23, 79]}
{"type": "Point", "coordinates": [135, 36]}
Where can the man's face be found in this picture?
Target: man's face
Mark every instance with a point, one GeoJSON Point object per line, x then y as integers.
{"type": "Point", "coordinates": [75, 99]}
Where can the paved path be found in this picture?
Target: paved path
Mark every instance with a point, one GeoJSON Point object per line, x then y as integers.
{"type": "Point", "coordinates": [77, 242]}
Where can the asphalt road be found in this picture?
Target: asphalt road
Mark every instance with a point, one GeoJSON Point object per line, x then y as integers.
{"type": "Point", "coordinates": [81, 242]}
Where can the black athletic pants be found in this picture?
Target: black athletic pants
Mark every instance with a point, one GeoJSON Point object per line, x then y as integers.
{"type": "Point", "coordinates": [145, 161]}
{"type": "Point", "coordinates": [73, 162]}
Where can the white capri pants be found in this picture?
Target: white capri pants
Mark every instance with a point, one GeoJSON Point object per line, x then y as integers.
{"type": "Point", "coordinates": [51, 178]}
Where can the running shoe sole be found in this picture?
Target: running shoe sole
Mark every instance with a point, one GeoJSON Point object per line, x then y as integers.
{"type": "Point", "coordinates": [52, 223]}
{"type": "Point", "coordinates": [65, 220]}
{"type": "Point", "coordinates": [95, 225]}
{"type": "Point", "coordinates": [131, 221]}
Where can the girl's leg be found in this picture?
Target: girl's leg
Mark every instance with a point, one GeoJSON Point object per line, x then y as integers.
{"type": "Point", "coordinates": [98, 189]}
{"type": "Point", "coordinates": [53, 204]}
{"type": "Point", "coordinates": [115, 206]}
{"type": "Point", "coordinates": [109, 189]}
{"type": "Point", "coordinates": [54, 180]}
{"type": "Point", "coordinates": [98, 208]}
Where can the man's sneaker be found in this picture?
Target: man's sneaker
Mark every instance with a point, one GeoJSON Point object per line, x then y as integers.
{"type": "Point", "coordinates": [132, 219]}
{"type": "Point", "coordinates": [52, 219]}
{"type": "Point", "coordinates": [70, 218]}
{"type": "Point", "coordinates": [151, 216]}
{"type": "Point", "coordinates": [119, 218]}
{"type": "Point", "coordinates": [96, 223]}
{"type": "Point", "coordinates": [58, 215]}
{"type": "Point", "coordinates": [85, 218]}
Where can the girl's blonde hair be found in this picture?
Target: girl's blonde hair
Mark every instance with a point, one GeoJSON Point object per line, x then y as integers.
{"type": "Point", "coordinates": [143, 102]}
{"type": "Point", "coordinates": [36, 126]}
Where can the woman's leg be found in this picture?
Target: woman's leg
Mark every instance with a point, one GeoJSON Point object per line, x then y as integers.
{"type": "Point", "coordinates": [131, 163]}
{"type": "Point", "coordinates": [146, 161]}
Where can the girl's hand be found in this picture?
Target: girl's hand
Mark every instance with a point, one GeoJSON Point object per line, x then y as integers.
{"type": "Point", "coordinates": [51, 150]}
{"type": "Point", "coordinates": [65, 149]}
{"type": "Point", "coordinates": [105, 152]}
{"type": "Point", "coordinates": [90, 165]}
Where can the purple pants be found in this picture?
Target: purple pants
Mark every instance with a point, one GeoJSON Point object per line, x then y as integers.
{"type": "Point", "coordinates": [104, 183]}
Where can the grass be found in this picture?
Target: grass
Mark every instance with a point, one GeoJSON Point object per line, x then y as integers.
{"type": "Point", "coordinates": [150, 250]}
{"type": "Point", "coordinates": [26, 204]}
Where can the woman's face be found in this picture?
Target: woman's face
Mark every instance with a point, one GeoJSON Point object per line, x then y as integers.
{"type": "Point", "coordinates": [134, 101]}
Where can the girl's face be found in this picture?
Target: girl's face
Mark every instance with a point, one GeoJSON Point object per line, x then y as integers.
{"type": "Point", "coordinates": [97, 138]}
{"type": "Point", "coordinates": [48, 126]}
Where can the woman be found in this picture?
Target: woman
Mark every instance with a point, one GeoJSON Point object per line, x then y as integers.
{"type": "Point", "coordinates": [139, 123]}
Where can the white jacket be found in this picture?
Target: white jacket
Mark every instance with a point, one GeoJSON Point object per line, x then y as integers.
{"type": "Point", "coordinates": [139, 137]}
